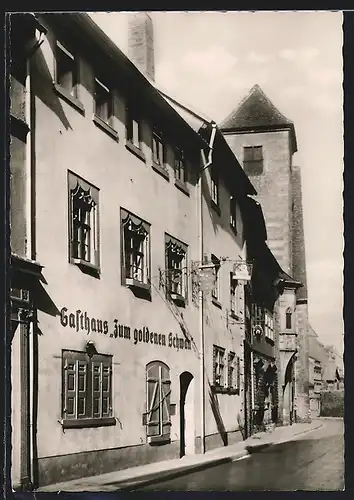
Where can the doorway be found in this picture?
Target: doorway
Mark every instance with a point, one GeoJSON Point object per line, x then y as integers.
{"type": "Point", "coordinates": [187, 417]}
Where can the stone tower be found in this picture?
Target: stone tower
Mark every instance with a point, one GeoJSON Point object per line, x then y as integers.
{"type": "Point", "coordinates": [141, 43]}
{"type": "Point", "coordinates": [264, 141]}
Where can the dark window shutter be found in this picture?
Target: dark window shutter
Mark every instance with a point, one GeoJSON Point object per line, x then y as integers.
{"type": "Point", "coordinates": [70, 374]}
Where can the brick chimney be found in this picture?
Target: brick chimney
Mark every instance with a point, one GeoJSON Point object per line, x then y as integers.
{"type": "Point", "coordinates": [141, 43]}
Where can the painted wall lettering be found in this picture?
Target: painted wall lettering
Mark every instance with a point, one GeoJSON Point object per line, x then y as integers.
{"type": "Point", "coordinates": [81, 321]}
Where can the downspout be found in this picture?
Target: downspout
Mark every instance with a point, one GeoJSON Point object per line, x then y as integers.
{"type": "Point", "coordinates": [206, 164]}
{"type": "Point", "coordinates": [39, 32]}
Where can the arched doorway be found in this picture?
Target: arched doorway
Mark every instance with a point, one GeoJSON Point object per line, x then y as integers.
{"type": "Point", "coordinates": [289, 392]}
{"type": "Point", "coordinates": [187, 417]}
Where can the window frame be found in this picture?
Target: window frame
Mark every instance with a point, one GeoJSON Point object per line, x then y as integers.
{"type": "Point", "coordinates": [288, 318]}
{"type": "Point", "coordinates": [106, 123]}
{"type": "Point", "coordinates": [78, 189]}
{"type": "Point", "coordinates": [268, 325]}
{"type": "Point", "coordinates": [215, 187]}
{"type": "Point", "coordinates": [215, 293]}
{"type": "Point", "coordinates": [180, 166]}
{"type": "Point", "coordinates": [159, 147]}
{"type": "Point", "coordinates": [175, 246]}
{"type": "Point", "coordinates": [233, 214]}
{"type": "Point", "coordinates": [233, 373]}
{"type": "Point", "coordinates": [71, 96]}
{"type": "Point", "coordinates": [88, 419]}
{"type": "Point", "coordinates": [131, 116]}
{"type": "Point", "coordinates": [131, 225]}
{"type": "Point", "coordinates": [235, 290]}
{"type": "Point", "coordinates": [251, 160]}
{"type": "Point", "coordinates": [164, 403]}
{"type": "Point", "coordinates": [219, 368]}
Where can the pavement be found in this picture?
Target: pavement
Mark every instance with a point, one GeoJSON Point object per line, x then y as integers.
{"type": "Point", "coordinates": [144, 475]}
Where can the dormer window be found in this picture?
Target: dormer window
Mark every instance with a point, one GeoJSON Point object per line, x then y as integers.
{"type": "Point", "coordinates": [253, 160]}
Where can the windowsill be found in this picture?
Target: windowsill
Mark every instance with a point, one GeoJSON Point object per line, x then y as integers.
{"type": "Point", "coordinates": [215, 207]}
{"type": "Point", "coordinates": [70, 99]}
{"type": "Point", "coordinates": [181, 186]}
{"type": "Point", "coordinates": [87, 267]}
{"type": "Point", "coordinates": [216, 302]}
{"type": "Point", "coordinates": [178, 299]}
{"type": "Point", "coordinates": [158, 440]}
{"type": "Point", "coordinates": [132, 283]}
{"type": "Point", "coordinates": [135, 150]}
{"type": "Point", "coordinates": [233, 315]}
{"type": "Point", "coordinates": [87, 422]}
{"type": "Point", "coordinates": [105, 126]}
{"type": "Point", "coordinates": [161, 170]}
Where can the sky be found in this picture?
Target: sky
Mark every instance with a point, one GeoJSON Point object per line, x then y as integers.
{"type": "Point", "coordinates": [212, 59]}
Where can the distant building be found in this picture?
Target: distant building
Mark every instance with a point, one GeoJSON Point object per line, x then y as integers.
{"type": "Point", "coordinates": [333, 369]}
{"type": "Point", "coordinates": [317, 356]}
{"type": "Point", "coordinates": [264, 141]}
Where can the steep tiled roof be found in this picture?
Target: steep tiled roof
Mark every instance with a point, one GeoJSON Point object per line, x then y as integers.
{"type": "Point", "coordinates": [256, 111]}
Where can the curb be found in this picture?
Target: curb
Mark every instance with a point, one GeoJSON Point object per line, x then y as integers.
{"type": "Point", "coordinates": [155, 478]}
{"type": "Point", "coordinates": [158, 477]}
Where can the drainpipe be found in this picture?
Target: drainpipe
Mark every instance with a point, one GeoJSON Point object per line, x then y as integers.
{"type": "Point", "coordinates": [29, 350]}
{"type": "Point", "coordinates": [201, 301]}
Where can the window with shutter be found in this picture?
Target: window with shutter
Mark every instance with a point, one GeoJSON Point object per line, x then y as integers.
{"type": "Point", "coordinates": [87, 390]}
{"type": "Point", "coordinates": [158, 415]}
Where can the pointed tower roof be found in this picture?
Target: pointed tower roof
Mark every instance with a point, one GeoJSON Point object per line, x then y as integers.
{"type": "Point", "coordinates": [256, 112]}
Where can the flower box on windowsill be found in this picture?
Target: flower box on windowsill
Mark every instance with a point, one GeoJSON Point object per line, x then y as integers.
{"type": "Point", "coordinates": [135, 150]}
{"type": "Point", "coordinates": [161, 170]}
{"type": "Point", "coordinates": [178, 299]}
{"type": "Point", "coordinates": [69, 98]}
{"type": "Point", "coordinates": [68, 423]}
{"type": "Point", "coordinates": [87, 267]}
{"type": "Point", "coordinates": [131, 282]}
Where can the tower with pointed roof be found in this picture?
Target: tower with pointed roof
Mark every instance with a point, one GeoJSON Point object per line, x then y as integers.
{"type": "Point", "coordinates": [264, 141]}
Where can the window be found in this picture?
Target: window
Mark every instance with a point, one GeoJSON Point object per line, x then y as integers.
{"type": "Point", "coordinates": [218, 366]}
{"type": "Point", "coordinates": [158, 411]}
{"type": "Point", "coordinates": [84, 222]}
{"type": "Point", "coordinates": [233, 372]}
{"type": "Point", "coordinates": [215, 294]}
{"type": "Point", "coordinates": [133, 127]}
{"type": "Point", "coordinates": [253, 160]}
{"type": "Point", "coordinates": [235, 291]}
{"type": "Point", "coordinates": [233, 220]}
{"type": "Point", "coordinates": [135, 250]}
{"type": "Point", "coordinates": [87, 389]}
{"type": "Point", "coordinates": [103, 102]}
{"type": "Point", "coordinates": [269, 325]}
{"type": "Point", "coordinates": [180, 167]}
{"type": "Point", "coordinates": [288, 319]}
{"type": "Point", "coordinates": [176, 269]}
{"type": "Point", "coordinates": [66, 70]}
{"type": "Point", "coordinates": [158, 148]}
{"type": "Point", "coordinates": [214, 186]}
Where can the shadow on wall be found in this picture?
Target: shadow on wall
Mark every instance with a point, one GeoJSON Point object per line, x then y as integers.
{"type": "Point", "coordinates": [214, 404]}
{"type": "Point", "coordinates": [44, 90]}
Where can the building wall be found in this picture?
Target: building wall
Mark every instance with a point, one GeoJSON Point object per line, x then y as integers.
{"type": "Point", "coordinates": [223, 410]}
{"type": "Point", "coordinates": [68, 139]}
{"type": "Point", "coordinates": [273, 184]}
